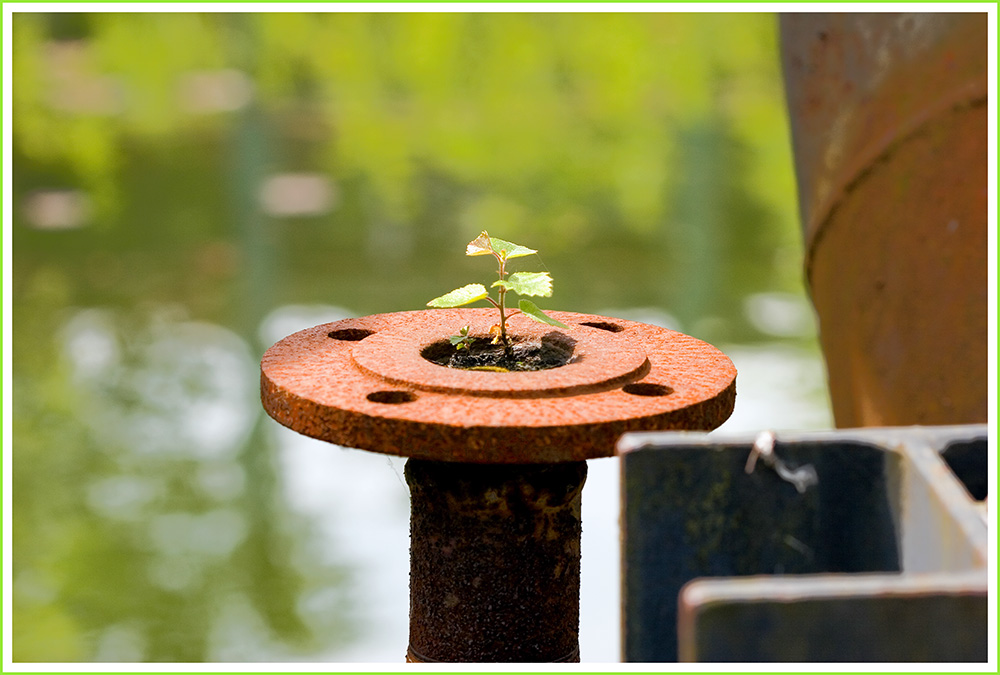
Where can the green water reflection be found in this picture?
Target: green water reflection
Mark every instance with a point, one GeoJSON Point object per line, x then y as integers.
{"type": "Point", "coordinates": [179, 178]}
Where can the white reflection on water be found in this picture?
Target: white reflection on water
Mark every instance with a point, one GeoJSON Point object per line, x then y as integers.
{"type": "Point", "coordinates": [120, 642]}
{"type": "Point", "coordinates": [172, 403]}
{"type": "Point", "coordinates": [165, 386]}
{"type": "Point", "coordinates": [361, 506]}
{"type": "Point", "coordinates": [215, 533]}
{"type": "Point", "coordinates": [124, 497]}
{"type": "Point", "coordinates": [778, 386]}
{"type": "Point", "coordinates": [238, 634]}
{"type": "Point", "coordinates": [56, 209]}
{"type": "Point", "coordinates": [780, 314]}
{"type": "Point", "coordinates": [220, 481]}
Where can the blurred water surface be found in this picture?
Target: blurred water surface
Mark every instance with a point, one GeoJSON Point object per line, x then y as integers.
{"type": "Point", "coordinates": [190, 187]}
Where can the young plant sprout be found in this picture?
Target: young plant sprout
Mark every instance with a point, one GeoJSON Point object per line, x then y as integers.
{"type": "Point", "coordinates": [521, 283]}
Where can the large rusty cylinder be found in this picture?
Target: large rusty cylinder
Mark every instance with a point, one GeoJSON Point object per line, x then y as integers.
{"type": "Point", "coordinates": [494, 561]}
{"type": "Point", "coordinates": [890, 126]}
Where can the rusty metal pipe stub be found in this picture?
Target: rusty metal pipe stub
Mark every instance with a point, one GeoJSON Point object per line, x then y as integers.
{"type": "Point", "coordinates": [494, 561]}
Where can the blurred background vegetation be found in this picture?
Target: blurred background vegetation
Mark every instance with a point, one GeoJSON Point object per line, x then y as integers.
{"type": "Point", "coordinates": [189, 187]}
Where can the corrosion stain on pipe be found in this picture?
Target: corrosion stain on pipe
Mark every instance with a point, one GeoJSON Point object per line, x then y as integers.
{"type": "Point", "coordinates": [494, 561]}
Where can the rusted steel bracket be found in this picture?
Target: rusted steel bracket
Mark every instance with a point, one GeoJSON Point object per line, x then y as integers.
{"type": "Point", "coordinates": [880, 556]}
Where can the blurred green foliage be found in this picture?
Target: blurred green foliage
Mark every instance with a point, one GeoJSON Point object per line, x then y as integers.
{"type": "Point", "coordinates": [658, 137]}
{"type": "Point", "coordinates": [645, 153]}
{"type": "Point", "coordinates": [542, 114]}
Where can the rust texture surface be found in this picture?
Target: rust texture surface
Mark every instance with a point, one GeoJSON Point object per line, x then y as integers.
{"type": "Point", "coordinates": [363, 383]}
{"type": "Point", "coordinates": [495, 561]}
{"type": "Point", "coordinates": [889, 120]}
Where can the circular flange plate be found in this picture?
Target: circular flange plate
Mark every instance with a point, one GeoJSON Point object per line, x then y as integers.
{"type": "Point", "coordinates": [363, 383]}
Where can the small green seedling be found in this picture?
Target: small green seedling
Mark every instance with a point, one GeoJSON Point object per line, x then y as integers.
{"type": "Point", "coordinates": [463, 339]}
{"type": "Point", "coordinates": [522, 283]}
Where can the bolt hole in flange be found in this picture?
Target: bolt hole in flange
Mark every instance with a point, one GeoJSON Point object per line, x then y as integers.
{"type": "Point", "coordinates": [391, 396]}
{"type": "Point", "coordinates": [647, 389]}
{"type": "Point", "coordinates": [604, 325]}
{"type": "Point", "coordinates": [350, 334]}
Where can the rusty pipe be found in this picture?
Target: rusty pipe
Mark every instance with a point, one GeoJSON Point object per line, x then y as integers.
{"type": "Point", "coordinates": [494, 561]}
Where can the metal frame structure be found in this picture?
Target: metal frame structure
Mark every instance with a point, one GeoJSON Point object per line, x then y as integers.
{"type": "Point", "coordinates": [857, 545]}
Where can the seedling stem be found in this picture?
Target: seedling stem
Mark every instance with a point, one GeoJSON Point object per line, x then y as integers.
{"type": "Point", "coordinates": [522, 283]}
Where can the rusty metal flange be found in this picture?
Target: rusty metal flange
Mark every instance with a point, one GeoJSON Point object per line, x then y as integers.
{"type": "Point", "coordinates": [363, 383]}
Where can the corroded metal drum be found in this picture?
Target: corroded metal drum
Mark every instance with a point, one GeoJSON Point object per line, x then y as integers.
{"type": "Point", "coordinates": [889, 122]}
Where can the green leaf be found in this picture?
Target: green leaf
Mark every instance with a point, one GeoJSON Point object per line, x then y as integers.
{"type": "Point", "coordinates": [484, 244]}
{"type": "Point", "coordinates": [461, 338]}
{"type": "Point", "coordinates": [508, 250]}
{"type": "Point", "coordinates": [531, 309]}
{"type": "Point", "coordinates": [460, 296]}
{"type": "Point", "coordinates": [527, 283]}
